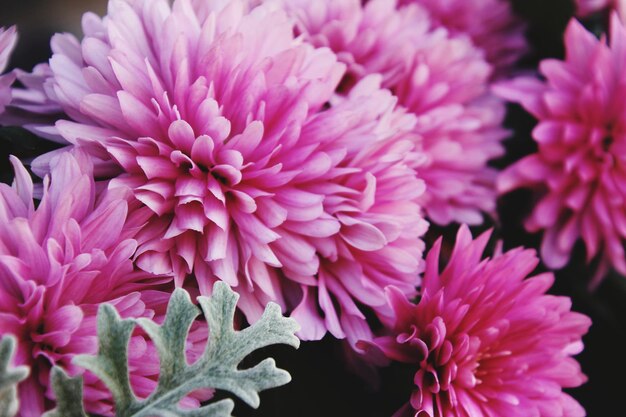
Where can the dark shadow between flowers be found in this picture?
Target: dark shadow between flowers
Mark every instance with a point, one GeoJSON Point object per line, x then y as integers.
{"type": "Point", "coordinates": [321, 385]}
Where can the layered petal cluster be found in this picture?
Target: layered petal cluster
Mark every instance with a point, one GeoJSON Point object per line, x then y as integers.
{"type": "Point", "coordinates": [491, 24]}
{"type": "Point", "coordinates": [58, 263]}
{"type": "Point", "coordinates": [440, 77]}
{"type": "Point", "coordinates": [225, 125]}
{"type": "Point", "coordinates": [8, 39]}
{"type": "Point", "coordinates": [577, 173]}
{"type": "Point", "coordinates": [487, 339]}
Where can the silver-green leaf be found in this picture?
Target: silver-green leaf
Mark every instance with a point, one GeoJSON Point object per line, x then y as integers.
{"type": "Point", "coordinates": [9, 378]}
{"type": "Point", "coordinates": [217, 368]}
{"type": "Point", "coordinates": [69, 393]}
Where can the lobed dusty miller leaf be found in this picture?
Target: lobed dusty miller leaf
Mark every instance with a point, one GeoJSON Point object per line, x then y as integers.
{"type": "Point", "coordinates": [217, 368]}
{"type": "Point", "coordinates": [9, 378]}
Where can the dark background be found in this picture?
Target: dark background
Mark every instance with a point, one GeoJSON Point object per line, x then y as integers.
{"type": "Point", "coordinates": [321, 385]}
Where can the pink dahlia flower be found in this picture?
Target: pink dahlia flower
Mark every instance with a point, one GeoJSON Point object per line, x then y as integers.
{"type": "Point", "coordinates": [58, 263]}
{"type": "Point", "coordinates": [577, 171]}
{"type": "Point", "coordinates": [8, 39]}
{"type": "Point", "coordinates": [488, 341]}
{"type": "Point", "coordinates": [442, 79]}
{"type": "Point", "coordinates": [225, 125]}
{"type": "Point", "coordinates": [491, 24]}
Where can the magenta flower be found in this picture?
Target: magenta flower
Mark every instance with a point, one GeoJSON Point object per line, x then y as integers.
{"type": "Point", "coordinates": [576, 173]}
{"type": "Point", "coordinates": [56, 267]}
{"type": "Point", "coordinates": [488, 341]}
{"type": "Point", "coordinates": [226, 126]}
{"type": "Point", "coordinates": [8, 39]}
{"type": "Point", "coordinates": [491, 24]}
{"type": "Point", "coordinates": [442, 79]}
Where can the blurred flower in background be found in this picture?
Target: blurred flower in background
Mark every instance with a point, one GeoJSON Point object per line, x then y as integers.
{"type": "Point", "coordinates": [440, 76]}
{"type": "Point", "coordinates": [585, 8]}
{"type": "Point", "coordinates": [492, 25]}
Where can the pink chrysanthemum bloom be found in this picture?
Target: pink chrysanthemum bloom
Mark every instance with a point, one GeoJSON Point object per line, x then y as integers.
{"type": "Point", "coordinates": [488, 341]}
{"type": "Point", "coordinates": [491, 24]}
{"type": "Point", "coordinates": [8, 39]}
{"type": "Point", "coordinates": [57, 266]}
{"type": "Point", "coordinates": [577, 171]}
{"type": "Point", "coordinates": [226, 126]}
{"type": "Point", "coordinates": [442, 79]}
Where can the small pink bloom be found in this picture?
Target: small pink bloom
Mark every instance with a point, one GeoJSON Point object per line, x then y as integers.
{"type": "Point", "coordinates": [58, 263]}
{"type": "Point", "coordinates": [441, 78]}
{"type": "Point", "coordinates": [487, 340]}
{"type": "Point", "coordinates": [577, 172]}
{"type": "Point", "coordinates": [227, 128]}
